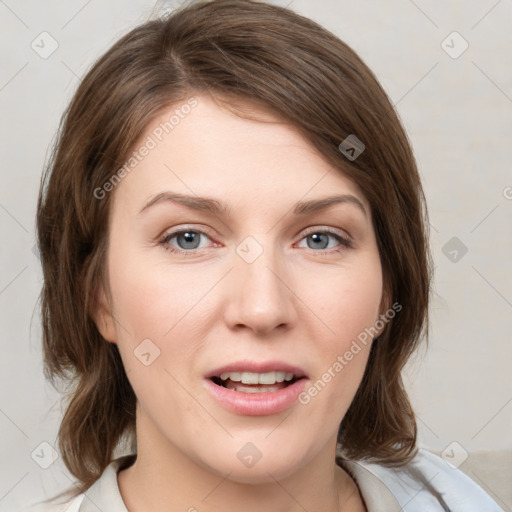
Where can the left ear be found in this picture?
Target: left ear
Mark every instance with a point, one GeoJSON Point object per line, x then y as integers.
{"type": "Point", "coordinates": [103, 317]}
{"type": "Point", "coordinates": [384, 307]}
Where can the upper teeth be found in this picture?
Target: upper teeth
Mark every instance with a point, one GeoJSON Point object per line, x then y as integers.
{"type": "Point", "coordinates": [257, 378]}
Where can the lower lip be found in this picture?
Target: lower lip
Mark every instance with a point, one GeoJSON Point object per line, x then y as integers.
{"type": "Point", "coordinates": [256, 404]}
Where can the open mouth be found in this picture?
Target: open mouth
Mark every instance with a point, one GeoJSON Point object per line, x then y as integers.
{"type": "Point", "coordinates": [250, 382]}
{"type": "Point", "coordinates": [251, 388]}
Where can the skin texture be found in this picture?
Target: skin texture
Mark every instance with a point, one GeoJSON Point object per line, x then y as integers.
{"type": "Point", "coordinates": [299, 301]}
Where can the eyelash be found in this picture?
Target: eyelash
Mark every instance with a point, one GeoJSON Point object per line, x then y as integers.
{"type": "Point", "coordinates": [344, 242]}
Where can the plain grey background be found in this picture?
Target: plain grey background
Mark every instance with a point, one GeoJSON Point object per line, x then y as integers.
{"type": "Point", "coordinates": [446, 66]}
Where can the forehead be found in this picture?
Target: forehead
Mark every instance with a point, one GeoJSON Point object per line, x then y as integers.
{"type": "Point", "coordinates": [210, 151]}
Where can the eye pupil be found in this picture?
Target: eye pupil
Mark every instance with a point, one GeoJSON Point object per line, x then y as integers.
{"type": "Point", "coordinates": [317, 237]}
{"type": "Point", "coordinates": [188, 237]}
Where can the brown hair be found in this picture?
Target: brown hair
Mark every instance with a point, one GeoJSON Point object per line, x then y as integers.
{"type": "Point", "coordinates": [275, 58]}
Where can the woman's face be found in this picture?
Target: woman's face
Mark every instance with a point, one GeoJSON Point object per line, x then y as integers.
{"type": "Point", "coordinates": [210, 297]}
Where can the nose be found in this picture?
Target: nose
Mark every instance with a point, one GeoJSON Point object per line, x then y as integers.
{"type": "Point", "coordinates": [260, 296]}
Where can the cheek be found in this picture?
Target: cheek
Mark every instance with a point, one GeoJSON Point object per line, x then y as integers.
{"type": "Point", "coordinates": [154, 310]}
{"type": "Point", "coordinates": [349, 301]}
{"type": "Point", "coordinates": [152, 299]}
{"type": "Point", "coordinates": [156, 313]}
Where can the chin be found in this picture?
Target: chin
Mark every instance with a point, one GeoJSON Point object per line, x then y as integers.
{"type": "Point", "coordinates": [261, 469]}
{"type": "Point", "coordinates": [264, 474]}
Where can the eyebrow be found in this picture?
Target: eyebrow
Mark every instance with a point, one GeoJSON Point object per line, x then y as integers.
{"type": "Point", "coordinates": [218, 208]}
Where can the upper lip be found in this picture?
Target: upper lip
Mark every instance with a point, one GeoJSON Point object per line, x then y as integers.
{"type": "Point", "coordinates": [257, 367]}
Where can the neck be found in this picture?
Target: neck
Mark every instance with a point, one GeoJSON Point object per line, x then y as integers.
{"type": "Point", "coordinates": [163, 478]}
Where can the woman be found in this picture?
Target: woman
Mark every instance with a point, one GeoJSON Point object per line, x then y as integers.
{"type": "Point", "coordinates": [201, 161]}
